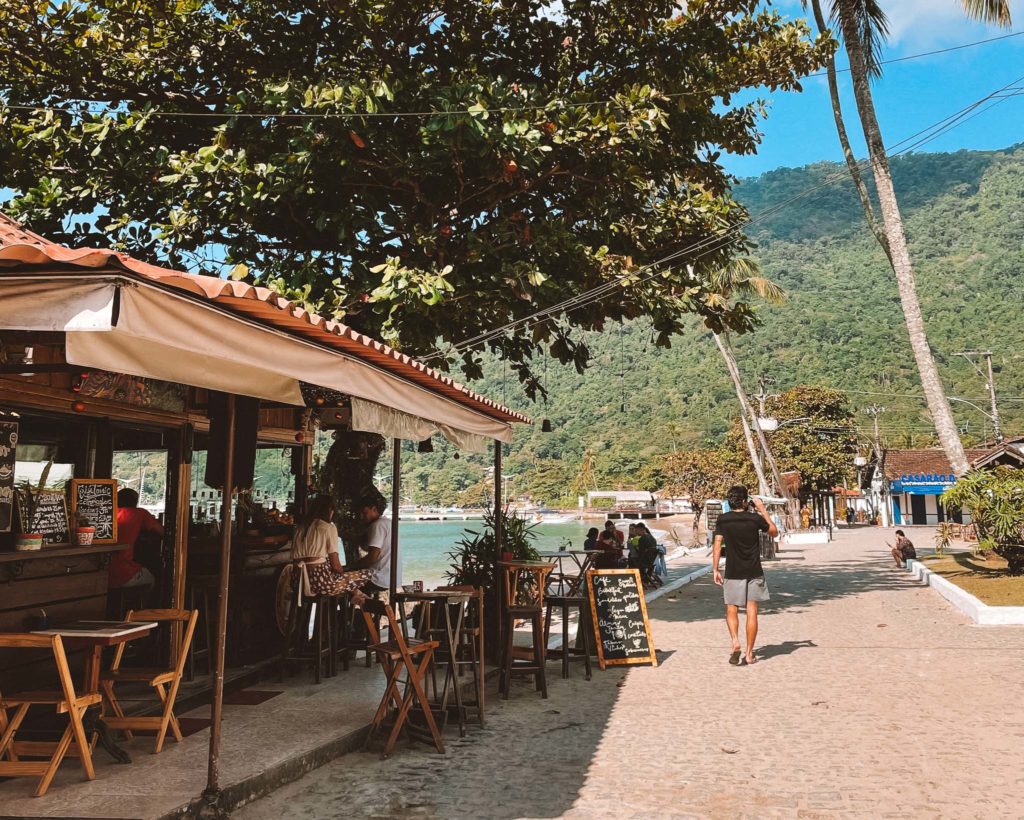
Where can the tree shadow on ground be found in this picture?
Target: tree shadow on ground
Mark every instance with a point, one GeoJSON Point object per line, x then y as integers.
{"type": "Point", "coordinates": [794, 585]}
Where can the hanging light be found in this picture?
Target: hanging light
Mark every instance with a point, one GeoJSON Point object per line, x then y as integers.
{"type": "Point", "coordinates": [425, 446]}
{"type": "Point", "coordinates": [456, 456]}
{"type": "Point", "coordinates": [545, 426]}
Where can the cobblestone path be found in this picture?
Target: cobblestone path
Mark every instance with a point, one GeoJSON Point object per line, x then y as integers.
{"type": "Point", "coordinates": [873, 698]}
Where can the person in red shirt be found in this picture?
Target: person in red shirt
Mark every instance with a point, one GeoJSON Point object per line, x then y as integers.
{"type": "Point", "coordinates": [131, 521]}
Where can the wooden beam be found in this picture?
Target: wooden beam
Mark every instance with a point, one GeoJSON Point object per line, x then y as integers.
{"type": "Point", "coordinates": [396, 483]}
{"type": "Point", "coordinates": [212, 791]}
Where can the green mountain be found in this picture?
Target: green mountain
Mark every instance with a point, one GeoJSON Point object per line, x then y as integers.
{"type": "Point", "coordinates": [842, 327]}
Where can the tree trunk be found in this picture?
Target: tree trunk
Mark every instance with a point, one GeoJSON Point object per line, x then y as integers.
{"type": "Point", "coordinates": [734, 373]}
{"type": "Point", "coordinates": [938, 404]}
{"type": "Point", "coordinates": [844, 140]}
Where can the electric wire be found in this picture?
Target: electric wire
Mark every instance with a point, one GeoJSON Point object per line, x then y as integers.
{"type": "Point", "coordinates": [117, 106]}
{"type": "Point", "coordinates": [701, 248]}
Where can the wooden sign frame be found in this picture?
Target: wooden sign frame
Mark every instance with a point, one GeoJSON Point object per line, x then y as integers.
{"type": "Point", "coordinates": [602, 662]}
{"type": "Point", "coordinates": [19, 497]}
{"type": "Point", "coordinates": [76, 482]}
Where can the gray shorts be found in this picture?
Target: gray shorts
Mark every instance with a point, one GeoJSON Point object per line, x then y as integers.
{"type": "Point", "coordinates": [740, 590]}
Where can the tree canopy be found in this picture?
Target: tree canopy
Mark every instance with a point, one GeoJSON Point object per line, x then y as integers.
{"type": "Point", "coordinates": [419, 170]}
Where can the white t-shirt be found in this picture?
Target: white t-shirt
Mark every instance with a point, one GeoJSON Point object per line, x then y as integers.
{"type": "Point", "coordinates": [319, 540]}
{"type": "Point", "coordinates": [379, 535]}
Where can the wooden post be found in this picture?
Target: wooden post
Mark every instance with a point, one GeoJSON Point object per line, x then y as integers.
{"type": "Point", "coordinates": [499, 535]}
{"type": "Point", "coordinates": [499, 545]}
{"type": "Point", "coordinates": [181, 467]}
{"type": "Point", "coordinates": [182, 514]}
{"type": "Point", "coordinates": [396, 483]}
{"type": "Point", "coordinates": [212, 792]}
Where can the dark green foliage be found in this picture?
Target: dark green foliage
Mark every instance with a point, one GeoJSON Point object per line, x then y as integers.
{"type": "Point", "coordinates": [842, 327]}
{"type": "Point", "coordinates": [552, 159]}
{"type": "Point", "coordinates": [995, 499]}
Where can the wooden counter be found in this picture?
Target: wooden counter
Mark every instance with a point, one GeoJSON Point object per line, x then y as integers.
{"type": "Point", "coordinates": [69, 583]}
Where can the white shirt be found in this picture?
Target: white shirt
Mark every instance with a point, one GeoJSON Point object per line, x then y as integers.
{"type": "Point", "coordinates": [379, 535]}
{"type": "Point", "coordinates": [318, 540]}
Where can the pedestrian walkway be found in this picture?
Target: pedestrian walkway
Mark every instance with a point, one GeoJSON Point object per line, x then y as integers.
{"type": "Point", "coordinates": [874, 698]}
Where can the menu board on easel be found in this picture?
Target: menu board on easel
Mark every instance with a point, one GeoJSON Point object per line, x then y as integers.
{"type": "Point", "coordinates": [8, 446]}
{"type": "Point", "coordinates": [95, 501]}
{"type": "Point", "coordinates": [620, 618]}
{"type": "Point", "coordinates": [51, 517]}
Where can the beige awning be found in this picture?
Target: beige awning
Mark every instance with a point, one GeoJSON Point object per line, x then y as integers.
{"type": "Point", "coordinates": [126, 325]}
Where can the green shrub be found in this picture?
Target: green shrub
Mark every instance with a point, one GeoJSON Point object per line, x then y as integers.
{"type": "Point", "coordinates": [995, 500]}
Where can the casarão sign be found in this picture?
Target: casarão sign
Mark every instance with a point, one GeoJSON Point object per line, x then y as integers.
{"type": "Point", "coordinates": [923, 483]}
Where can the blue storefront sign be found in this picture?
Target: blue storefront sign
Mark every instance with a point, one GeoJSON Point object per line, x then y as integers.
{"type": "Point", "coordinates": [923, 483]}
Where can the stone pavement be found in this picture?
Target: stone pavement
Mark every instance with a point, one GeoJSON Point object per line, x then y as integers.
{"type": "Point", "coordinates": [873, 698]}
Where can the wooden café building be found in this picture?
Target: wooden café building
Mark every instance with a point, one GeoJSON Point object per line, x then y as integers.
{"type": "Point", "coordinates": [117, 373]}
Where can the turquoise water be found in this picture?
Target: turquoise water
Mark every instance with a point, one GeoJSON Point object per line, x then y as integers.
{"type": "Point", "coordinates": [424, 545]}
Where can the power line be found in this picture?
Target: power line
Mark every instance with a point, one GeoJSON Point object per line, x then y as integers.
{"type": "Point", "coordinates": [929, 53]}
{"type": "Point", "coordinates": [117, 106]}
{"type": "Point", "coordinates": [718, 242]}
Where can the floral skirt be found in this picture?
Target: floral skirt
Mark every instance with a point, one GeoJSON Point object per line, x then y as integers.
{"type": "Point", "coordinates": [325, 581]}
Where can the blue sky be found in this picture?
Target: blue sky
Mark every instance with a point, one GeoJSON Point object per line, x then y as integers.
{"type": "Point", "coordinates": [910, 95]}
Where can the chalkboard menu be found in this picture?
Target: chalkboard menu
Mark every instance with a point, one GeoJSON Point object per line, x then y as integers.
{"type": "Point", "coordinates": [51, 518]}
{"type": "Point", "coordinates": [8, 445]}
{"type": "Point", "coordinates": [620, 617]}
{"type": "Point", "coordinates": [95, 500]}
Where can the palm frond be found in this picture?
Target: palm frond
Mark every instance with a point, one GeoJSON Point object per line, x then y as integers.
{"type": "Point", "coordinates": [871, 24]}
{"type": "Point", "coordinates": [988, 11]}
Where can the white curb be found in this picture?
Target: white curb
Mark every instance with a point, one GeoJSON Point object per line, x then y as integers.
{"type": "Point", "coordinates": [654, 594]}
{"type": "Point", "coordinates": [974, 609]}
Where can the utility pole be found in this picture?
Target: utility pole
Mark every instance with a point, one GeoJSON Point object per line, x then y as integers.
{"type": "Point", "coordinates": [762, 382]}
{"type": "Point", "coordinates": [971, 355]}
{"type": "Point", "coordinates": [875, 411]}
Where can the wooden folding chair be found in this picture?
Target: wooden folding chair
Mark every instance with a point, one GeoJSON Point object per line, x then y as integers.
{"type": "Point", "coordinates": [164, 681]}
{"type": "Point", "coordinates": [65, 701]}
{"type": "Point", "coordinates": [397, 656]}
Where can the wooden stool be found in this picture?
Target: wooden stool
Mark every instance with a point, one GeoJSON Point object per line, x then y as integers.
{"type": "Point", "coordinates": [398, 656]}
{"type": "Point", "coordinates": [523, 584]}
{"type": "Point", "coordinates": [471, 645]}
{"type": "Point", "coordinates": [345, 626]}
{"type": "Point", "coordinates": [566, 603]}
{"type": "Point", "coordinates": [320, 609]}
{"type": "Point", "coordinates": [198, 597]}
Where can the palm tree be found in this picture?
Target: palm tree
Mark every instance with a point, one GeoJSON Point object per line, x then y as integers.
{"type": "Point", "coordinates": [862, 24]}
{"type": "Point", "coordinates": [743, 278]}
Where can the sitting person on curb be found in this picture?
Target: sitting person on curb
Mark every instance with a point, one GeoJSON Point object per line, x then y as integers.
{"type": "Point", "coordinates": [904, 549]}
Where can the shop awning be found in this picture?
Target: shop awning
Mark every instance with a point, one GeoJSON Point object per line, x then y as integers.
{"type": "Point", "coordinates": [125, 316]}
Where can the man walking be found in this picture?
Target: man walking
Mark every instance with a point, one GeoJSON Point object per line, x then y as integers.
{"type": "Point", "coordinates": [744, 583]}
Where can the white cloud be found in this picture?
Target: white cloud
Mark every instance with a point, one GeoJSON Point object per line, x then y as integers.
{"type": "Point", "coordinates": [917, 24]}
{"type": "Point", "coordinates": [938, 22]}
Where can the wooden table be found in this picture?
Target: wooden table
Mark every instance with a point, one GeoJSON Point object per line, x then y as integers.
{"type": "Point", "coordinates": [583, 559]}
{"type": "Point", "coordinates": [94, 636]}
{"type": "Point", "coordinates": [447, 600]}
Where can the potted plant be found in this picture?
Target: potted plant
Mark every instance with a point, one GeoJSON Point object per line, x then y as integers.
{"type": "Point", "coordinates": [475, 558]}
{"type": "Point", "coordinates": [943, 537]}
{"type": "Point", "coordinates": [28, 540]}
{"type": "Point", "coordinates": [84, 532]}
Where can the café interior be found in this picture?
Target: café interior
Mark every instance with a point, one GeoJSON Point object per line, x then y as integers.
{"type": "Point", "coordinates": [205, 396]}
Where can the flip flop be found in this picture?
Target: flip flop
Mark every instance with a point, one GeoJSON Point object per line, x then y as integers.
{"type": "Point", "coordinates": [750, 661]}
{"type": "Point", "coordinates": [734, 658]}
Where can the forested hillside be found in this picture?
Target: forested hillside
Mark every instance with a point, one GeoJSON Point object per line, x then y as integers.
{"type": "Point", "coordinates": [842, 327]}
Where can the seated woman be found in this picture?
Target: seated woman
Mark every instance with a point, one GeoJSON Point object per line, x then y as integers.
{"type": "Point", "coordinates": [316, 545]}
{"type": "Point", "coordinates": [611, 549]}
{"type": "Point", "coordinates": [904, 549]}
